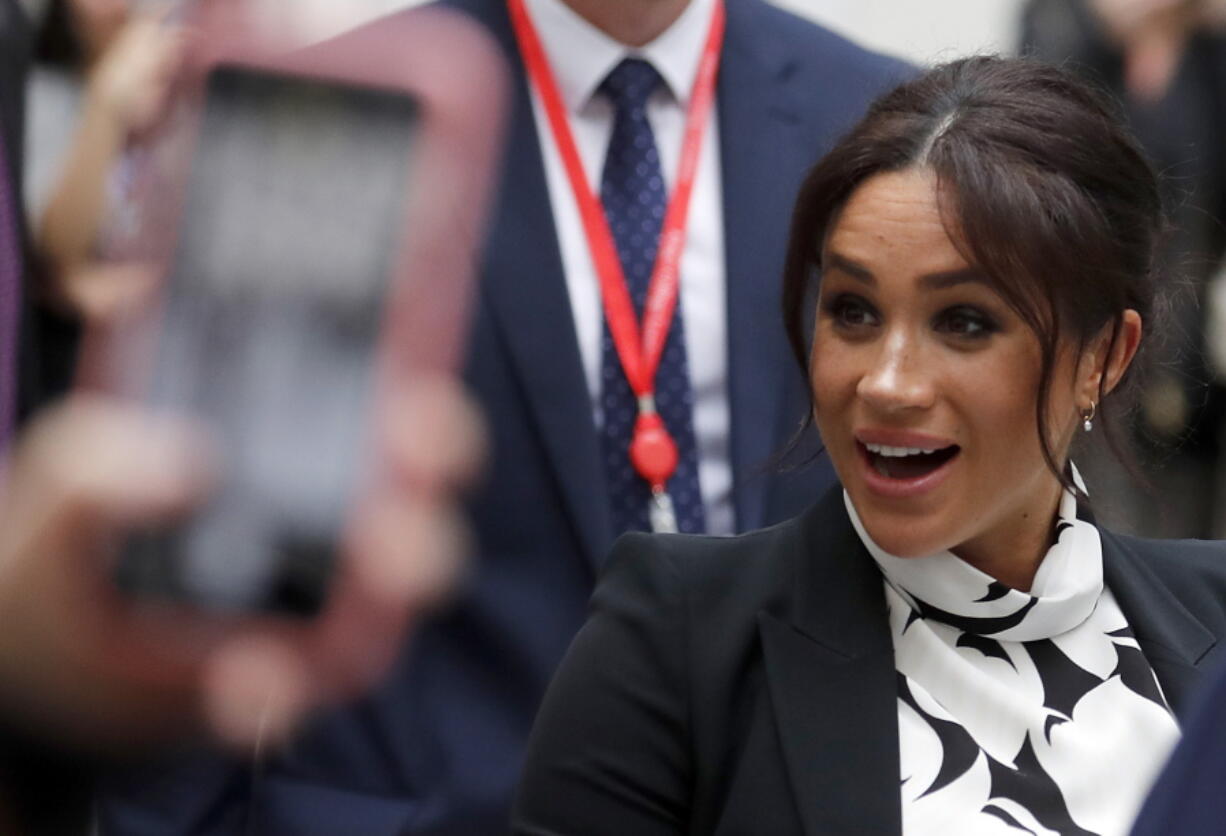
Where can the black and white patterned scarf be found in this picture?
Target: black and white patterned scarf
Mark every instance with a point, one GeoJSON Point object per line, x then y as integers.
{"type": "Point", "coordinates": [1020, 712]}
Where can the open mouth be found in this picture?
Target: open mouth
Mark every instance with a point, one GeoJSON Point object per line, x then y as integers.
{"type": "Point", "coordinates": [905, 463]}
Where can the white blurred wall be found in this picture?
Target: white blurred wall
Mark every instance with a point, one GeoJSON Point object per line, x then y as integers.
{"type": "Point", "coordinates": [917, 30]}
{"type": "Point", "coordinates": [920, 30]}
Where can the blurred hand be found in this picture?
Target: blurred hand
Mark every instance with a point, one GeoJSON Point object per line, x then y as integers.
{"type": "Point", "coordinates": [128, 89]}
{"type": "Point", "coordinates": [130, 80]}
{"type": "Point", "coordinates": [81, 662]}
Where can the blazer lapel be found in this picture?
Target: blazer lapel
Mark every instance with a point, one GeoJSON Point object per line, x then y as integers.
{"type": "Point", "coordinates": [524, 285]}
{"type": "Point", "coordinates": [757, 124]}
{"type": "Point", "coordinates": [830, 673]}
{"type": "Point", "coordinates": [1174, 642]}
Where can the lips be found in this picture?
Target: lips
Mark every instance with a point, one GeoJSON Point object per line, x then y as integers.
{"type": "Point", "coordinates": [907, 462]}
{"type": "Point", "coordinates": [900, 465]}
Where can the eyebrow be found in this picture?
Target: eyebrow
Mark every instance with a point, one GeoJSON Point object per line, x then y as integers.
{"type": "Point", "coordinates": [932, 281]}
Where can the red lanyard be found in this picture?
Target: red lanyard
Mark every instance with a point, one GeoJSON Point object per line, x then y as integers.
{"type": "Point", "coordinates": [652, 451]}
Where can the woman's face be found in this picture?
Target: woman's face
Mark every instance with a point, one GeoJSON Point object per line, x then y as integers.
{"type": "Point", "coordinates": [925, 385]}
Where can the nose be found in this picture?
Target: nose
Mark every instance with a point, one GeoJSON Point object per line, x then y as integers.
{"type": "Point", "coordinates": [897, 378]}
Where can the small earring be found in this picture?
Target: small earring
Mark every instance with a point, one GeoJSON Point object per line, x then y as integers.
{"type": "Point", "coordinates": [1087, 417]}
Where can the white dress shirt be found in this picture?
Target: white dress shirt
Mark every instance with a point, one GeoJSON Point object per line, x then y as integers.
{"type": "Point", "coordinates": [580, 56]}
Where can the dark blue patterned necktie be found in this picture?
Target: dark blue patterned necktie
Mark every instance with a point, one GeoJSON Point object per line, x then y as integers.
{"type": "Point", "coordinates": [632, 190]}
{"type": "Point", "coordinates": [10, 296]}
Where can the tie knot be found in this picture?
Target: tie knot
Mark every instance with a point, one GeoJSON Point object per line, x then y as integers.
{"type": "Point", "coordinates": [630, 84]}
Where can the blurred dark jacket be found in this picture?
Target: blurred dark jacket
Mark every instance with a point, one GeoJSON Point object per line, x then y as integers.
{"type": "Point", "coordinates": [42, 791]}
{"type": "Point", "coordinates": [1184, 132]}
{"type": "Point", "coordinates": [48, 340]}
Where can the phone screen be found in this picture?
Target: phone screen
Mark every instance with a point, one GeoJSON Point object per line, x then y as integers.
{"type": "Point", "coordinates": [291, 230]}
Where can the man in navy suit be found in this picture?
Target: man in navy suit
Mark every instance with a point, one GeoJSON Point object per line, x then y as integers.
{"type": "Point", "coordinates": [438, 748]}
{"type": "Point", "coordinates": [1187, 797]}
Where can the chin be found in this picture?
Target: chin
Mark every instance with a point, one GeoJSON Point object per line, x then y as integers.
{"type": "Point", "coordinates": [903, 538]}
{"type": "Point", "coordinates": [907, 547]}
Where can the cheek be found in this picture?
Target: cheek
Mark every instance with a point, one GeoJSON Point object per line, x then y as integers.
{"type": "Point", "coordinates": [1001, 397]}
{"type": "Point", "coordinates": [832, 380]}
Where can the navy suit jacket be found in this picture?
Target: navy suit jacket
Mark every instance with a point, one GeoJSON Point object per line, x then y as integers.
{"type": "Point", "coordinates": [438, 748]}
{"type": "Point", "coordinates": [1187, 798]}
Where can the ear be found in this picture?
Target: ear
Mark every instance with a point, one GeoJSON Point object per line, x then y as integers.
{"type": "Point", "coordinates": [1103, 363]}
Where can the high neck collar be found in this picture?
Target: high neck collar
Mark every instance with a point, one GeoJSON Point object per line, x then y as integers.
{"type": "Point", "coordinates": [943, 587]}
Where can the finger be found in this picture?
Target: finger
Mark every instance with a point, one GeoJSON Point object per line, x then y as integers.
{"type": "Point", "coordinates": [104, 293]}
{"type": "Point", "coordinates": [406, 553]}
{"type": "Point", "coordinates": [433, 434]}
{"type": "Point", "coordinates": [101, 460]}
{"type": "Point", "coordinates": [253, 691]}
{"type": "Point", "coordinates": [91, 467]}
{"type": "Point", "coordinates": [398, 561]}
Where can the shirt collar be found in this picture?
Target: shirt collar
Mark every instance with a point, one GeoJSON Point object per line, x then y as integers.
{"type": "Point", "coordinates": [1065, 591]}
{"type": "Point", "coordinates": [581, 55]}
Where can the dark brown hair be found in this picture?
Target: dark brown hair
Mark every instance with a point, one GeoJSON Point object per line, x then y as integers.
{"type": "Point", "coordinates": [1043, 188]}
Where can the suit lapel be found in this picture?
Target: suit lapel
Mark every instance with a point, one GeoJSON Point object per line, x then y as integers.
{"type": "Point", "coordinates": [759, 140]}
{"type": "Point", "coordinates": [830, 672]}
{"type": "Point", "coordinates": [1174, 642]}
{"type": "Point", "coordinates": [524, 285]}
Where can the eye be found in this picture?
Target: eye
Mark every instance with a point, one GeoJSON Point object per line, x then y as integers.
{"type": "Point", "coordinates": [851, 312]}
{"type": "Point", "coordinates": [966, 322]}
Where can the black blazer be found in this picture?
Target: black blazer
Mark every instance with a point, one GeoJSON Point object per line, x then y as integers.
{"type": "Point", "coordinates": [746, 684]}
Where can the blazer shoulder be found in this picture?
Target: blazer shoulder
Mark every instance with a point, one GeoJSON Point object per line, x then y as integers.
{"type": "Point", "coordinates": [820, 79]}
{"type": "Point", "coordinates": [1197, 560]}
{"type": "Point", "coordinates": [825, 50]}
{"type": "Point", "coordinates": [1193, 570]}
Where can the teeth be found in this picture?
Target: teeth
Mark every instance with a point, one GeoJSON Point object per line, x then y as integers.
{"type": "Point", "coordinates": [899, 452]}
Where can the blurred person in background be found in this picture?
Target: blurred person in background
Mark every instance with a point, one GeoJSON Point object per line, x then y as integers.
{"type": "Point", "coordinates": [1165, 60]}
{"type": "Point", "coordinates": [69, 36]}
{"type": "Point", "coordinates": [34, 341]}
{"type": "Point", "coordinates": [438, 747]}
{"type": "Point", "coordinates": [127, 57]}
{"type": "Point", "coordinates": [100, 75]}
{"type": "Point", "coordinates": [20, 373]}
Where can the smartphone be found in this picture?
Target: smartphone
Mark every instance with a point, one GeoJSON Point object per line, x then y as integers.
{"type": "Point", "coordinates": [321, 252]}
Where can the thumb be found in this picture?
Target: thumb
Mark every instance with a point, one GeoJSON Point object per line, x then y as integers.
{"type": "Point", "coordinates": [92, 464]}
